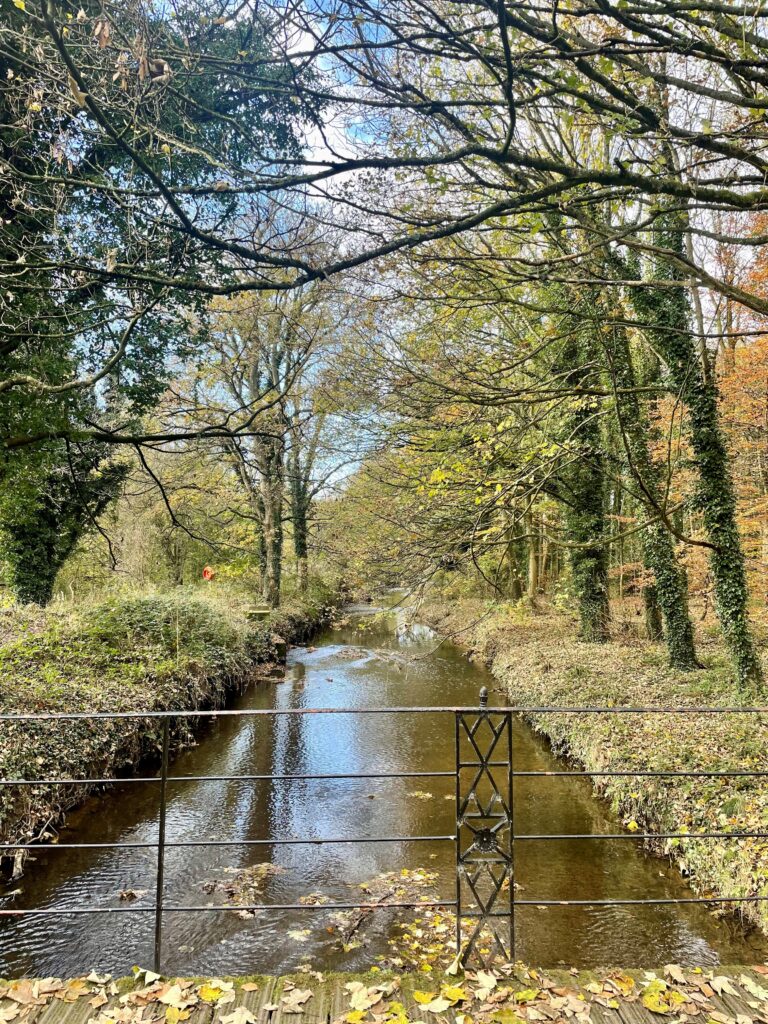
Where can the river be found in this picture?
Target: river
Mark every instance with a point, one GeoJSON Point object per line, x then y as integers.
{"type": "Point", "coordinates": [372, 661]}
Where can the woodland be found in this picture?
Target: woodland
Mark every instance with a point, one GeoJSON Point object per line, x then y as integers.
{"type": "Point", "coordinates": [460, 296]}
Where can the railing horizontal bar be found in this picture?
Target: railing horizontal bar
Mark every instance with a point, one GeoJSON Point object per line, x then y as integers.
{"type": "Point", "coordinates": [77, 782]}
{"type": "Point", "coordinates": [203, 908]}
{"type": "Point", "coordinates": [225, 842]}
{"type": "Point", "coordinates": [643, 774]}
{"type": "Point", "coordinates": [377, 839]}
{"type": "Point", "coordinates": [482, 764]}
{"type": "Point", "coordinates": [645, 835]}
{"type": "Point", "coordinates": [266, 712]}
{"type": "Point", "coordinates": [228, 778]}
{"type": "Point", "coordinates": [383, 775]}
{"type": "Point", "coordinates": [619, 902]}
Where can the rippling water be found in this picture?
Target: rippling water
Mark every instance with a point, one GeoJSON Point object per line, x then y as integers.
{"type": "Point", "coordinates": [374, 661]}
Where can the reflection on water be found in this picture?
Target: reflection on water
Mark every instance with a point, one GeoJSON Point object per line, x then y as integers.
{"type": "Point", "coordinates": [372, 662]}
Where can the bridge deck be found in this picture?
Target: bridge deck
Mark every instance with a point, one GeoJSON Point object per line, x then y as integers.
{"type": "Point", "coordinates": [734, 995]}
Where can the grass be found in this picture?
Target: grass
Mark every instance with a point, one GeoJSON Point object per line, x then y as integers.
{"type": "Point", "coordinates": [146, 653]}
{"type": "Point", "coordinates": [538, 662]}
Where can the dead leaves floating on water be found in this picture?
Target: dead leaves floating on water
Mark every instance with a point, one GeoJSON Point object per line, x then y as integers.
{"type": "Point", "coordinates": [245, 886]}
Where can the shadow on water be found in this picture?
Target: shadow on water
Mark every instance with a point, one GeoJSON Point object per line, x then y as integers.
{"type": "Point", "coordinates": [370, 662]}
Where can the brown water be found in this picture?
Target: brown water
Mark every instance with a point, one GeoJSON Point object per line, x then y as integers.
{"type": "Point", "coordinates": [369, 663]}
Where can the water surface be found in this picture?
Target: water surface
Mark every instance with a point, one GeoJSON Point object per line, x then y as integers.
{"type": "Point", "coordinates": [374, 661]}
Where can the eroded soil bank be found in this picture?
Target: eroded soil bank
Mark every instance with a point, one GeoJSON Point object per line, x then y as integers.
{"type": "Point", "coordinates": [536, 662]}
{"type": "Point", "coordinates": [151, 653]}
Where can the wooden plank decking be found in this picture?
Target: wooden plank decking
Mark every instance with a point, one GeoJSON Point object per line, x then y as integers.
{"type": "Point", "coordinates": [735, 995]}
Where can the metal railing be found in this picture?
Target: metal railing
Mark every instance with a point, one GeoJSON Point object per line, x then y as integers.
{"type": "Point", "coordinates": [484, 837]}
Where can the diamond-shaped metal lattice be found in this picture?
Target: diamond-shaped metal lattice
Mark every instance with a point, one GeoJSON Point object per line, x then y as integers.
{"type": "Point", "coordinates": [484, 854]}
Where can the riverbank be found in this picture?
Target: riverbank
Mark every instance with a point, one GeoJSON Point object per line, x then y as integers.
{"type": "Point", "coordinates": [148, 653]}
{"type": "Point", "coordinates": [538, 663]}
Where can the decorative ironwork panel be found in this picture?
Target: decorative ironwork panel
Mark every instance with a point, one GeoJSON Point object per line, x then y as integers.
{"type": "Point", "coordinates": [484, 835]}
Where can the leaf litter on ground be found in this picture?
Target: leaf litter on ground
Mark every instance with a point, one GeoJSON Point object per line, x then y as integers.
{"type": "Point", "coordinates": [512, 994]}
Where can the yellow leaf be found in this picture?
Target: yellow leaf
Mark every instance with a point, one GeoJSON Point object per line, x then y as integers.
{"type": "Point", "coordinates": [623, 983]}
{"type": "Point", "coordinates": [655, 1002]}
{"type": "Point", "coordinates": [209, 993]}
{"type": "Point", "coordinates": [659, 999]}
{"type": "Point", "coordinates": [506, 1016]}
{"type": "Point", "coordinates": [20, 4]}
{"type": "Point", "coordinates": [423, 997]}
{"type": "Point", "coordinates": [173, 1015]}
{"type": "Point", "coordinates": [355, 1016]}
{"type": "Point", "coordinates": [454, 993]}
{"type": "Point", "coordinates": [632, 825]}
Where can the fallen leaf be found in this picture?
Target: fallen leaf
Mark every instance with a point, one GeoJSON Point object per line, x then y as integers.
{"type": "Point", "coordinates": [722, 984]}
{"type": "Point", "coordinates": [213, 990]}
{"type": "Point", "coordinates": [173, 1015]}
{"type": "Point", "coordinates": [752, 987]}
{"type": "Point", "coordinates": [454, 993]}
{"type": "Point", "coordinates": [675, 972]}
{"type": "Point", "coordinates": [241, 1015]}
{"type": "Point", "coordinates": [293, 1001]}
{"type": "Point", "coordinates": [362, 997]}
{"type": "Point", "coordinates": [439, 1005]}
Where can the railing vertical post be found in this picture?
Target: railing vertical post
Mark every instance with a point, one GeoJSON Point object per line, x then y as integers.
{"type": "Point", "coordinates": [484, 832]}
{"type": "Point", "coordinates": [161, 848]}
{"type": "Point", "coordinates": [511, 803]}
{"type": "Point", "coordinates": [457, 718]}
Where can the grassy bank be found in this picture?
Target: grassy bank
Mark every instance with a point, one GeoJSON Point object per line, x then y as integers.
{"type": "Point", "coordinates": [148, 653]}
{"type": "Point", "coordinates": [538, 663]}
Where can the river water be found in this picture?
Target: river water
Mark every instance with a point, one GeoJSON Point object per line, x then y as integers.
{"type": "Point", "coordinates": [373, 661]}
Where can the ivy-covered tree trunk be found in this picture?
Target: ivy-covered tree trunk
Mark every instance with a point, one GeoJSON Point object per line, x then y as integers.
{"type": "Point", "coordinates": [301, 465]}
{"type": "Point", "coordinates": [301, 546]}
{"type": "Point", "coordinates": [654, 626]}
{"type": "Point", "coordinates": [583, 483]}
{"type": "Point", "coordinates": [585, 522]}
{"type": "Point", "coordinates": [300, 498]}
{"type": "Point", "coordinates": [666, 314]}
{"type": "Point", "coordinates": [533, 558]}
{"type": "Point", "coordinates": [47, 503]}
{"type": "Point", "coordinates": [671, 585]}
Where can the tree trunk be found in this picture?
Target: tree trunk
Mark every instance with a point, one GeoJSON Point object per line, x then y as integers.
{"type": "Point", "coordinates": [584, 481]}
{"type": "Point", "coordinates": [301, 545]}
{"type": "Point", "coordinates": [666, 313]}
{"type": "Point", "coordinates": [533, 558]}
{"type": "Point", "coordinates": [543, 555]}
{"type": "Point", "coordinates": [653, 623]}
{"type": "Point", "coordinates": [271, 486]}
{"type": "Point", "coordinates": [670, 587]}
{"type": "Point", "coordinates": [273, 566]}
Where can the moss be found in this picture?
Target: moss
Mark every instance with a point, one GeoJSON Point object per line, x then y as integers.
{"type": "Point", "coordinates": [538, 665]}
{"type": "Point", "coordinates": [147, 653]}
